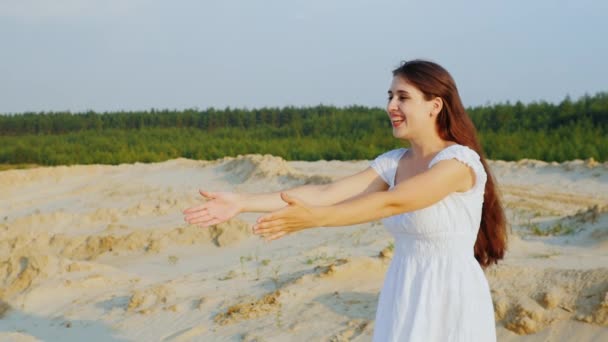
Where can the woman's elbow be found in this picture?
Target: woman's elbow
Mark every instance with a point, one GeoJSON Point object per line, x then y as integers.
{"type": "Point", "coordinates": [398, 205]}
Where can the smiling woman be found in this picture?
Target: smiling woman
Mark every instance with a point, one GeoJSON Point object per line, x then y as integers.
{"type": "Point", "coordinates": [437, 198]}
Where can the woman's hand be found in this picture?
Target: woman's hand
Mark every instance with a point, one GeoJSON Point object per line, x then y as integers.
{"type": "Point", "coordinates": [296, 216]}
{"type": "Point", "coordinates": [220, 207]}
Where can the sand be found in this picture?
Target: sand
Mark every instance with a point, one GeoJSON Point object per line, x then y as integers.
{"type": "Point", "coordinates": [101, 253]}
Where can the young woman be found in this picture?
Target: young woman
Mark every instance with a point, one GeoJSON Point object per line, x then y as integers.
{"type": "Point", "coordinates": [437, 198]}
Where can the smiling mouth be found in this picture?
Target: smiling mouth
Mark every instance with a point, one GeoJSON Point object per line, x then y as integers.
{"type": "Point", "coordinates": [396, 123]}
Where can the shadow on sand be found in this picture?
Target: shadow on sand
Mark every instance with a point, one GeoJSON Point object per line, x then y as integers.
{"type": "Point", "coordinates": [53, 328]}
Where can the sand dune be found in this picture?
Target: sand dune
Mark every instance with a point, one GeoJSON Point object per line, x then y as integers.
{"type": "Point", "coordinates": [252, 168]}
{"type": "Point", "coordinates": [101, 253]}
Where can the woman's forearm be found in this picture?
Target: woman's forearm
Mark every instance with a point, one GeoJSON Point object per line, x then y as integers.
{"type": "Point", "coordinates": [317, 195]}
{"type": "Point", "coordinates": [360, 209]}
{"type": "Point", "coordinates": [412, 194]}
{"type": "Point", "coordinates": [271, 201]}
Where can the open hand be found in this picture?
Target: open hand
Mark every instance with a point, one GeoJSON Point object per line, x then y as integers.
{"type": "Point", "coordinates": [297, 215]}
{"type": "Point", "coordinates": [220, 207]}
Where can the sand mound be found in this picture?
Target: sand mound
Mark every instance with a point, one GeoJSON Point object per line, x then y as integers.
{"type": "Point", "coordinates": [43, 221]}
{"type": "Point", "coordinates": [576, 164]}
{"type": "Point", "coordinates": [349, 269]}
{"type": "Point", "coordinates": [592, 214]}
{"type": "Point", "coordinates": [580, 164]}
{"type": "Point", "coordinates": [354, 328]}
{"type": "Point", "coordinates": [544, 202]}
{"type": "Point", "coordinates": [249, 309]}
{"type": "Point", "coordinates": [149, 300]}
{"type": "Point", "coordinates": [4, 308]}
{"type": "Point", "coordinates": [88, 247]}
{"type": "Point", "coordinates": [12, 178]}
{"type": "Point", "coordinates": [61, 225]}
{"type": "Point", "coordinates": [63, 221]}
{"type": "Point", "coordinates": [527, 300]}
{"type": "Point", "coordinates": [591, 226]}
{"type": "Point", "coordinates": [23, 269]}
{"type": "Point", "coordinates": [255, 167]}
{"type": "Point", "coordinates": [387, 253]}
{"type": "Point", "coordinates": [33, 257]}
{"type": "Point", "coordinates": [587, 227]}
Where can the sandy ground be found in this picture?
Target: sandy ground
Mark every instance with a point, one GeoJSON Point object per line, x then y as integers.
{"type": "Point", "coordinates": [101, 253]}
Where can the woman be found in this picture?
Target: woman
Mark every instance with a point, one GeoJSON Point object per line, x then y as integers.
{"type": "Point", "coordinates": [437, 198]}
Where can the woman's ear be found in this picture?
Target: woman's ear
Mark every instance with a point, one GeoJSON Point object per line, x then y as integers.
{"type": "Point", "coordinates": [437, 104]}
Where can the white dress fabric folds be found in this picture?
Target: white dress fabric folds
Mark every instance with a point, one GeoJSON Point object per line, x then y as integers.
{"type": "Point", "coordinates": [435, 290]}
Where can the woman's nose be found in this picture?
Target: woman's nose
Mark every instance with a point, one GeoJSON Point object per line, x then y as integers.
{"type": "Point", "coordinates": [391, 105]}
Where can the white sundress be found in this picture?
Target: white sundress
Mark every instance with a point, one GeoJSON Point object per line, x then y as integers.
{"type": "Point", "coordinates": [435, 290]}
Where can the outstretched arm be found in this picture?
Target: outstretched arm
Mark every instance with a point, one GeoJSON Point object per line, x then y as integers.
{"type": "Point", "coordinates": [366, 181]}
{"type": "Point", "coordinates": [415, 193]}
{"type": "Point", "coordinates": [221, 206]}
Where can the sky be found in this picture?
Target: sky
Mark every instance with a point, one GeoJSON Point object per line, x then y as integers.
{"type": "Point", "coordinates": [109, 55]}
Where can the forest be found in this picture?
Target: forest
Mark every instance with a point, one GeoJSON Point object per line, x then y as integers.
{"type": "Point", "coordinates": [570, 129]}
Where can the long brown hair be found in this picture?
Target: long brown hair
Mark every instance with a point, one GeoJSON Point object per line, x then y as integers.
{"type": "Point", "coordinates": [453, 124]}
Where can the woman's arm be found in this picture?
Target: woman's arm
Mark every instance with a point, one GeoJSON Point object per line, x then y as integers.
{"type": "Point", "coordinates": [415, 193]}
{"type": "Point", "coordinates": [221, 206]}
{"type": "Point", "coordinates": [366, 181]}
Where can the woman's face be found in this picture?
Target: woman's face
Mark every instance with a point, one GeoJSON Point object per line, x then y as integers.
{"type": "Point", "coordinates": [409, 112]}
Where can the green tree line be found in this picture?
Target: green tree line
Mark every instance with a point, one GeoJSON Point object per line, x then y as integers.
{"type": "Point", "coordinates": [539, 130]}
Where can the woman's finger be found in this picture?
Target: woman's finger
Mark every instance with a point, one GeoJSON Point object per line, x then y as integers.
{"type": "Point", "coordinates": [207, 194]}
{"type": "Point", "coordinates": [196, 214]}
{"type": "Point", "coordinates": [203, 218]}
{"type": "Point", "coordinates": [194, 209]}
{"type": "Point", "coordinates": [269, 224]}
{"type": "Point", "coordinates": [269, 227]}
{"type": "Point", "coordinates": [268, 217]}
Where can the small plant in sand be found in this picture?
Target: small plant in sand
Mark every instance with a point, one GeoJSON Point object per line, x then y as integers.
{"type": "Point", "coordinates": [591, 214]}
{"type": "Point", "coordinates": [265, 262]}
{"type": "Point", "coordinates": [545, 255]}
{"type": "Point", "coordinates": [533, 227]}
{"type": "Point", "coordinates": [172, 259]}
{"type": "Point", "coordinates": [323, 258]}
{"type": "Point", "coordinates": [249, 309]}
{"type": "Point", "coordinates": [228, 275]}
{"type": "Point", "coordinates": [387, 252]}
{"type": "Point", "coordinates": [562, 229]}
{"type": "Point", "coordinates": [243, 260]}
{"type": "Point", "coordinates": [555, 230]}
{"type": "Point", "coordinates": [279, 317]}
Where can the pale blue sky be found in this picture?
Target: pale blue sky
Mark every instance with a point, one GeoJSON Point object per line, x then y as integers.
{"type": "Point", "coordinates": [109, 55]}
